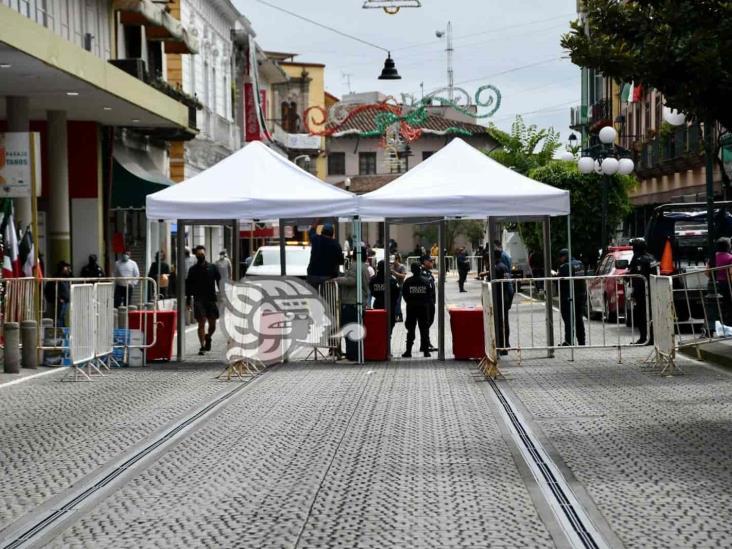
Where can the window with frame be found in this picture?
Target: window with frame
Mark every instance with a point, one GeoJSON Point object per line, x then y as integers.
{"type": "Point", "coordinates": [44, 13]}
{"type": "Point", "coordinates": [336, 163]}
{"type": "Point", "coordinates": [367, 163]}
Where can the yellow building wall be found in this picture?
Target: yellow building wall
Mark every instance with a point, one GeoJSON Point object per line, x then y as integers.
{"type": "Point", "coordinates": [316, 98]}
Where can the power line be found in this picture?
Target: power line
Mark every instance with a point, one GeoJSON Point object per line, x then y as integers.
{"type": "Point", "coordinates": [489, 31]}
{"type": "Point", "coordinates": [316, 23]}
{"type": "Point", "coordinates": [557, 107]}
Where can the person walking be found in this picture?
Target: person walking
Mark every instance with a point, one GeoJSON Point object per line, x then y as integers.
{"type": "Point", "coordinates": [435, 251]}
{"type": "Point", "coordinates": [201, 284]}
{"type": "Point", "coordinates": [58, 294]}
{"type": "Point", "coordinates": [125, 268]}
{"type": "Point", "coordinates": [348, 285]}
{"type": "Point", "coordinates": [399, 271]}
{"type": "Point", "coordinates": [326, 255]}
{"type": "Point", "coordinates": [723, 278]}
{"type": "Point", "coordinates": [569, 299]}
{"type": "Point", "coordinates": [643, 264]}
{"type": "Point", "coordinates": [160, 272]}
{"type": "Point", "coordinates": [92, 269]}
{"type": "Point", "coordinates": [416, 294]}
{"type": "Point", "coordinates": [463, 266]}
{"type": "Point", "coordinates": [377, 288]}
{"type": "Point", "coordinates": [226, 270]}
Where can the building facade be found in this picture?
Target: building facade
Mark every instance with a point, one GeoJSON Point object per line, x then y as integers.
{"type": "Point", "coordinates": [89, 76]}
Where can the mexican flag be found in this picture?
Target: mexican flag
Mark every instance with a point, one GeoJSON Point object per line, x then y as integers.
{"type": "Point", "coordinates": [27, 254]}
{"type": "Point", "coordinates": [11, 260]}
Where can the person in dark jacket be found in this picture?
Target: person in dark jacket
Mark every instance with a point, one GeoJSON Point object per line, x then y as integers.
{"type": "Point", "coordinates": [416, 294]}
{"type": "Point", "coordinates": [201, 284]}
{"type": "Point", "coordinates": [463, 266]}
{"type": "Point", "coordinates": [377, 287]}
{"type": "Point", "coordinates": [92, 269]}
{"type": "Point", "coordinates": [644, 264]}
{"type": "Point", "coordinates": [502, 293]}
{"type": "Point", "coordinates": [427, 265]}
{"type": "Point", "coordinates": [159, 266]}
{"type": "Point", "coordinates": [58, 294]}
{"type": "Point", "coordinates": [566, 298]}
{"type": "Point", "coordinates": [326, 255]}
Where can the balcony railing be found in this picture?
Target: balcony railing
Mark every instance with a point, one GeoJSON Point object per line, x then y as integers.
{"type": "Point", "coordinates": [218, 129]}
{"type": "Point", "coordinates": [578, 117]}
{"type": "Point", "coordinates": [679, 151]}
{"type": "Point", "coordinates": [601, 111]}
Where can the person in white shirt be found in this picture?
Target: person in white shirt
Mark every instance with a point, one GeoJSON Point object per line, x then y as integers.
{"type": "Point", "coordinates": [125, 267]}
{"type": "Point", "coordinates": [223, 264]}
{"type": "Point", "coordinates": [188, 262]}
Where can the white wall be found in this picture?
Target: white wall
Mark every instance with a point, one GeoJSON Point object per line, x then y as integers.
{"type": "Point", "coordinates": [86, 230]}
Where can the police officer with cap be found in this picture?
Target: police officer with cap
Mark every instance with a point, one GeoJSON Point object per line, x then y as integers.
{"type": "Point", "coordinates": [427, 265]}
{"type": "Point", "coordinates": [567, 296]}
{"type": "Point", "coordinates": [416, 294]}
{"type": "Point", "coordinates": [644, 264]}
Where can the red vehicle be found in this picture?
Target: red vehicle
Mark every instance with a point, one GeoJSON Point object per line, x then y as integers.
{"type": "Point", "coordinates": [607, 295]}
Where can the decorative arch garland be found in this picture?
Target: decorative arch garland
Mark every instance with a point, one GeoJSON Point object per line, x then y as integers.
{"type": "Point", "coordinates": [395, 123]}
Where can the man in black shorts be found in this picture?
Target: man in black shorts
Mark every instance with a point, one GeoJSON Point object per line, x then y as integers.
{"type": "Point", "coordinates": [201, 283]}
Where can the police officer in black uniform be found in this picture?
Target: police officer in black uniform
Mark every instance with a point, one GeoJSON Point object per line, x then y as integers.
{"type": "Point", "coordinates": [416, 294]}
{"type": "Point", "coordinates": [567, 298]}
{"type": "Point", "coordinates": [427, 266]}
{"type": "Point", "coordinates": [378, 291]}
{"type": "Point", "coordinates": [644, 264]}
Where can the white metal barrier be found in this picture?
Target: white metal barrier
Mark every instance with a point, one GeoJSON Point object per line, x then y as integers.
{"type": "Point", "coordinates": [664, 342]}
{"type": "Point", "coordinates": [328, 338]}
{"type": "Point", "coordinates": [82, 332]}
{"type": "Point", "coordinates": [577, 299]}
{"type": "Point", "coordinates": [702, 305]}
{"type": "Point", "coordinates": [104, 333]}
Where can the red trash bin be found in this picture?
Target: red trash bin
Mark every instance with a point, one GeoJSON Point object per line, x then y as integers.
{"type": "Point", "coordinates": [374, 321]}
{"type": "Point", "coordinates": [166, 321]}
{"type": "Point", "coordinates": [467, 332]}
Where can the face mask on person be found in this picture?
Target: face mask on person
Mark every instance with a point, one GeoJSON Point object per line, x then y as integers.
{"type": "Point", "coordinates": [201, 258]}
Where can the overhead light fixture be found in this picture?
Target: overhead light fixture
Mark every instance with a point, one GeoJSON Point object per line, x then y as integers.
{"type": "Point", "coordinates": [72, 94]}
{"type": "Point", "coordinates": [389, 71]}
{"type": "Point", "coordinates": [135, 120]}
{"type": "Point", "coordinates": [5, 65]}
{"type": "Point", "coordinates": [107, 108]}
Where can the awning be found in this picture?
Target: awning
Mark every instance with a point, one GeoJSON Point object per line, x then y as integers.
{"type": "Point", "coordinates": [159, 24]}
{"type": "Point", "coordinates": [134, 176]}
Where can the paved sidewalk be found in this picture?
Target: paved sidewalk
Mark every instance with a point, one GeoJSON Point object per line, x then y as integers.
{"type": "Point", "coordinates": [332, 456]}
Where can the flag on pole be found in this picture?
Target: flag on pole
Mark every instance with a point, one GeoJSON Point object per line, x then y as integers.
{"type": "Point", "coordinates": [625, 93]}
{"type": "Point", "coordinates": [631, 92]}
{"type": "Point", "coordinates": [11, 264]}
{"type": "Point", "coordinates": [27, 253]}
{"type": "Point", "coordinates": [637, 93]}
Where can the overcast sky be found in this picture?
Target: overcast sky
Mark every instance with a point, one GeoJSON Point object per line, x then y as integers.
{"type": "Point", "coordinates": [493, 40]}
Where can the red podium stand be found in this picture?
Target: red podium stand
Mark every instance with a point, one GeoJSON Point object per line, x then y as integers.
{"type": "Point", "coordinates": [467, 333]}
{"type": "Point", "coordinates": [374, 320]}
{"type": "Point", "coordinates": [166, 320]}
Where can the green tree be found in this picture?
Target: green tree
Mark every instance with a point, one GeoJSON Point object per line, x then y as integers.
{"type": "Point", "coordinates": [679, 47]}
{"type": "Point", "coordinates": [471, 229]}
{"type": "Point", "coordinates": [586, 207]}
{"type": "Point", "coordinates": [525, 147]}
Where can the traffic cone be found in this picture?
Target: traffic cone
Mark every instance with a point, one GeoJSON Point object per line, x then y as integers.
{"type": "Point", "coordinates": [667, 259]}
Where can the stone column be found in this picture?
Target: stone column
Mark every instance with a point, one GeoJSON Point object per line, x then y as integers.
{"type": "Point", "coordinates": [18, 116]}
{"type": "Point", "coordinates": [59, 219]}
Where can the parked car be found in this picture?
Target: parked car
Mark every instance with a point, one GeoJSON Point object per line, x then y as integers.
{"type": "Point", "coordinates": [266, 261]}
{"type": "Point", "coordinates": [607, 295]}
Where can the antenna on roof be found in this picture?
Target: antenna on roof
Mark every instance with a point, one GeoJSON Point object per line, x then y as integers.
{"type": "Point", "coordinates": [347, 77]}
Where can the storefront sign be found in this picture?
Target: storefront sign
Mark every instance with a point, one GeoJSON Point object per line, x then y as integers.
{"type": "Point", "coordinates": [15, 163]}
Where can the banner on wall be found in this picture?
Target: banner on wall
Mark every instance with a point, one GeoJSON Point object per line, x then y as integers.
{"type": "Point", "coordinates": [252, 130]}
{"type": "Point", "coordinates": [19, 152]}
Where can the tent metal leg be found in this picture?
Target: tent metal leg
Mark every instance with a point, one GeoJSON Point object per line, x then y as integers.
{"type": "Point", "coordinates": [359, 284]}
{"type": "Point", "coordinates": [283, 255]}
{"type": "Point", "coordinates": [236, 249]}
{"type": "Point", "coordinates": [572, 319]}
{"type": "Point", "coordinates": [442, 238]}
{"type": "Point", "coordinates": [180, 272]}
{"type": "Point", "coordinates": [387, 288]}
{"type": "Point", "coordinates": [548, 288]}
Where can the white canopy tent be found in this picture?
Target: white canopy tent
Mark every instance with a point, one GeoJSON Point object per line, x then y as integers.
{"type": "Point", "coordinates": [253, 183]}
{"type": "Point", "coordinates": [461, 181]}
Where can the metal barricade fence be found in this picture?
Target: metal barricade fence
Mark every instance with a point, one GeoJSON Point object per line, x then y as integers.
{"type": "Point", "coordinates": [82, 330]}
{"type": "Point", "coordinates": [104, 334]}
{"type": "Point", "coordinates": [329, 338]}
{"type": "Point", "coordinates": [48, 300]}
{"type": "Point", "coordinates": [522, 325]}
{"type": "Point", "coordinates": [702, 306]}
{"type": "Point", "coordinates": [489, 363]}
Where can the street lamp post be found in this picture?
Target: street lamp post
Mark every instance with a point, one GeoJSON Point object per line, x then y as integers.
{"type": "Point", "coordinates": [606, 159]}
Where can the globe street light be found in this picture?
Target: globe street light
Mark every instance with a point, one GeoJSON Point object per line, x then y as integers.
{"type": "Point", "coordinates": [606, 159]}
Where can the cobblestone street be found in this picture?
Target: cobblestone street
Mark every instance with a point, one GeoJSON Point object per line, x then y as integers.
{"type": "Point", "coordinates": [411, 453]}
